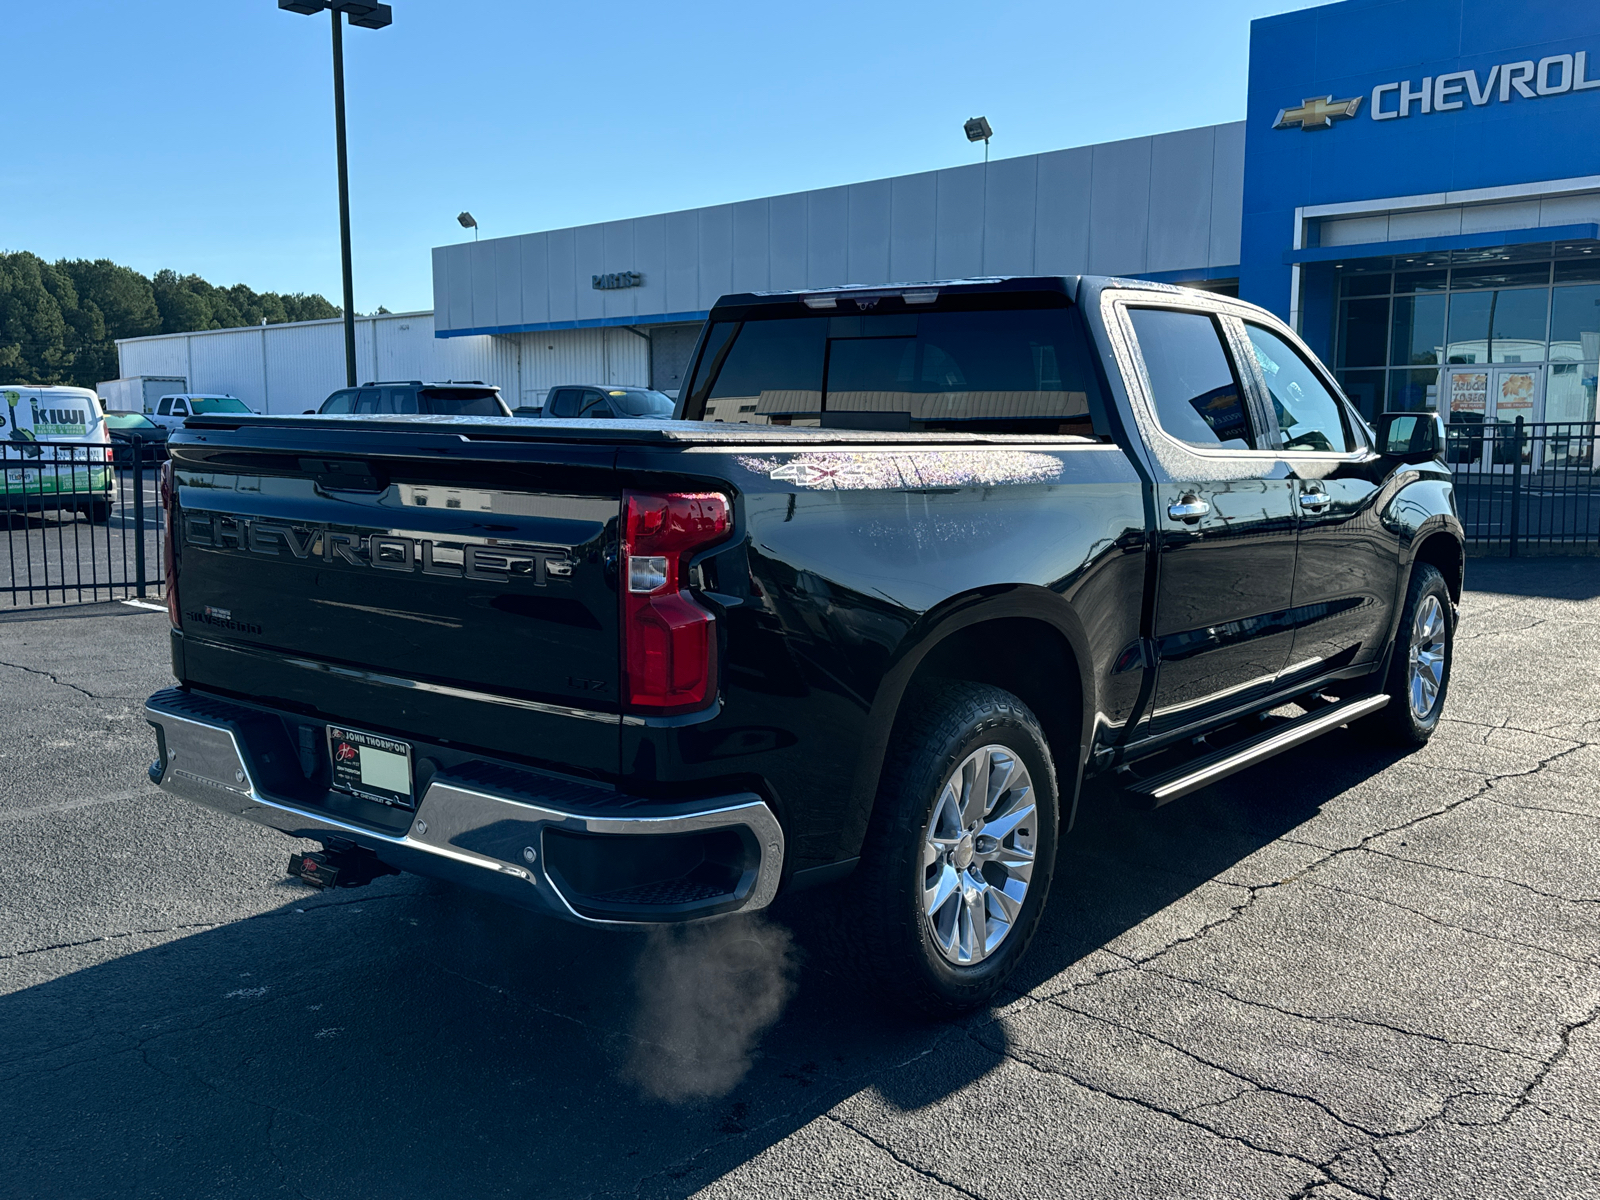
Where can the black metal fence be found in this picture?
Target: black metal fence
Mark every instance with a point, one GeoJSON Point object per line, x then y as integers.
{"type": "Point", "coordinates": [1525, 489]}
{"type": "Point", "coordinates": [82, 522]}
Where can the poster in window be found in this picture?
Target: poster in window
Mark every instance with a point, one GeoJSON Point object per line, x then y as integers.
{"type": "Point", "coordinates": [1516, 396]}
{"type": "Point", "coordinates": [1469, 391]}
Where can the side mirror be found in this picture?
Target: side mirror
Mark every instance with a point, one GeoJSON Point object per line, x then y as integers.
{"type": "Point", "coordinates": [1411, 437]}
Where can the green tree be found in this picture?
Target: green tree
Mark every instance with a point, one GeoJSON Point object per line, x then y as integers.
{"type": "Point", "coordinates": [59, 322]}
{"type": "Point", "coordinates": [126, 304]}
{"type": "Point", "coordinates": [33, 327]}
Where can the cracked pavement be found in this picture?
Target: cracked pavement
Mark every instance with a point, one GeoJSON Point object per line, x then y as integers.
{"type": "Point", "coordinates": [1345, 973]}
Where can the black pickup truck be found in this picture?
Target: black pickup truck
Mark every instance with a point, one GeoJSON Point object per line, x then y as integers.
{"type": "Point", "coordinates": [909, 565]}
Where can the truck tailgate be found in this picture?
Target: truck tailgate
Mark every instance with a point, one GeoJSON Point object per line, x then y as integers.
{"type": "Point", "coordinates": [462, 600]}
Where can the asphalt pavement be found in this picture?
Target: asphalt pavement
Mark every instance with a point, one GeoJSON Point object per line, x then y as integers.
{"type": "Point", "coordinates": [1347, 972]}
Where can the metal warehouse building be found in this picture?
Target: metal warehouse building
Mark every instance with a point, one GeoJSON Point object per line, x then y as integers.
{"type": "Point", "coordinates": [1416, 187]}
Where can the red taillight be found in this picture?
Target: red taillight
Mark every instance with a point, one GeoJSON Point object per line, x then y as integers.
{"type": "Point", "coordinates": [669, 643]}
{"type": "Point", "coordinates": [169, 553]}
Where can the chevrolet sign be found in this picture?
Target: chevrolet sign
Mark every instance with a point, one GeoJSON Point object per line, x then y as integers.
{"type": "Point", "coordinates": [1317, 112]}
{"type": "Point", "coordinates": [1555, 75]}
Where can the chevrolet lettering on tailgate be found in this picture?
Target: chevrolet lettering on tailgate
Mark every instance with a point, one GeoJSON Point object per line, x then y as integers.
{"type": "Point", "coordinates": [457, 558]}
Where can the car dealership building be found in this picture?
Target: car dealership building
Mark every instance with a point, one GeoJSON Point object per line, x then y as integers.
{"type": "Point", "coordinates": [1415, 187]}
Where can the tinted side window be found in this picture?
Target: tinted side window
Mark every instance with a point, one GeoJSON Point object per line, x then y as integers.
{"type": "Point", "coordinates": [1308, 415]}
{"type": "Point", "coordinates": [563, 402]}
{"type": "Point", "coordinates": [595, 407]}
{"type": "Point", "coordinates": [339, 402]}
{"type": "Point", "coordinates": [1197, 398]}
{"type": "Point", "coordinates": [164, 409]}
{"type": "Point", "coordinates": [399, 400]}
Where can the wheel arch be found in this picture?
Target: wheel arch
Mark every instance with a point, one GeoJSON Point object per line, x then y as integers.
{"type": "Point", "coordinates": [1442, 547]}
{"type": "Point", "coordinates": [1440, 541]}
{"type": "Point", "coordinates": [1025, 639]}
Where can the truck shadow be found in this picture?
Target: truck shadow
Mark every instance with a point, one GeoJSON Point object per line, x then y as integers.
{"type": "Point", "coordinates": [410, 1040]}
{"type": "Point", "coordinates": [1574, 578]}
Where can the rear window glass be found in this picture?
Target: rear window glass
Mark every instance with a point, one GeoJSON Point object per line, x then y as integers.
{"type": "Point", "coordinates": [1009, 371]}
{"type": "Point", "coordinates": [641, 403]}
{"type": "Point", "coordinates": [201, 406]}
{"type": "Point", "coordinates": [460, 402]}
{"type": "Point", "coordinates": [129, 421]}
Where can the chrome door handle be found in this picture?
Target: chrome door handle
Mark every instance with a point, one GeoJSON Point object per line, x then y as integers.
{"type": "Point", "coordinates": [1190, 508]}
{"type": "Point", "coordinates": [1315, 500]}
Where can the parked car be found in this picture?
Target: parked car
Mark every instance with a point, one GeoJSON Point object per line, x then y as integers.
{"type": "Point", "coordinates": [456, 398]}
{"type": "Point", "coordinates": [953, 548]}
{"type": "Point", "coordinates": [53, 452]}
{"type": "Point", "coordinates": [591, 402]}
{"type": "Point", "coordinates": [128, 430]}
{"type": "Point", "coordinates": [172, 411]}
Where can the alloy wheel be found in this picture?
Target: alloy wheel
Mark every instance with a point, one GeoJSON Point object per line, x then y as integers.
{"type": "Point", "coordinates": [978, 853]}
{"type": "Point", "coordinates": [1425, 678]}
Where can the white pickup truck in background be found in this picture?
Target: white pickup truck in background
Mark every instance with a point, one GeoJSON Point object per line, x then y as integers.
{"type": "Point", "coordinates": [171, 411]}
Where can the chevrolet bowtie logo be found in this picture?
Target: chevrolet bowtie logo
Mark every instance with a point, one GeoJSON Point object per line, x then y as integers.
{"type": "Point", "coordinates": [1317, 112]}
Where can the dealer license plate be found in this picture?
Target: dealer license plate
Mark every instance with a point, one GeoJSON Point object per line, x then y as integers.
{"type": "Point", "coordinates": [371, 766]}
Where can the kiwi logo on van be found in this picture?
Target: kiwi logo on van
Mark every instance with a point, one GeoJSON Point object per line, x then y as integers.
{"type": "Point", "coordinates": [69, 421]}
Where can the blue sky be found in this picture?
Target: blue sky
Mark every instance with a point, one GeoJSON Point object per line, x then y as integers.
{"type": "Point", "coordinates": [199, 136]}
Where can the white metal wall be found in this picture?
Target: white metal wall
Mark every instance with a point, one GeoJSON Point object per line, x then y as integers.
{"type": "Point", "coordinates": [1167, 203]}
{"type": "Point", "coordinates": [292, 368]}
{"type": "Point", "coordinates": [614, 356]}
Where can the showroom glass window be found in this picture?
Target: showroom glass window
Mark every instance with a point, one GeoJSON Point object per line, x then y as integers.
{"type": "Point", "coordinates": [1399, 322]}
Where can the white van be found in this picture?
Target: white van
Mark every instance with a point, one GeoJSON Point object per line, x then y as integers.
{"type": "Point", "coordinates": [171, 411]}
{"type": "Point", "coordinates": [54, 451]}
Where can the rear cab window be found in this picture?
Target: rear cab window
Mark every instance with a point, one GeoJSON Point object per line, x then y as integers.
{"type": "Point", "coordinates": [984, 368]}
{"type": "Point", "coordinates": [460, 401]}
{"type": "Point", "coordinates": [1197, 396]}
{"type": "Point", "coordinates": [641, 402]}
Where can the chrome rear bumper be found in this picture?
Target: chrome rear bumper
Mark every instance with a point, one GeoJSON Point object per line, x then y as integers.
{"type": "Point", "coordinates": [490, 829]}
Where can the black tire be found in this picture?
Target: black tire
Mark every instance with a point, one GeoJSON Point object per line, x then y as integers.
{"type": "Point", "coordinates": [98, 512]}
{"type": "Point", "coordinates": [892, 940]}
{"type": "Point", "coordinates": [1398, 723]}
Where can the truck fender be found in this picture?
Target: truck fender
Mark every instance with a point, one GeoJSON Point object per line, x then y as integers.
{"type": "Point", "coordinates": [1007, 602]}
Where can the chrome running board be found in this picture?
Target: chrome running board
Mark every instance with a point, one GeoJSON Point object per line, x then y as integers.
{"type": "Point", "coordinates": [1196, 774]}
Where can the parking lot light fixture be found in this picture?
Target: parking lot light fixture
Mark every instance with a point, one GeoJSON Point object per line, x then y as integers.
{"type": "Point", "coordinates": [367, 16]}
{"type": "Point", "coordinates": [468, 221]}
{"type": "Point", "coordinates": [977, 130]}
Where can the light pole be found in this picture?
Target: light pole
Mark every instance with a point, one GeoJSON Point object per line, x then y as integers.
{"type": "Point", "coordinates": [469, 222]}
{"type": "Point", "coordinates": [367, 16]}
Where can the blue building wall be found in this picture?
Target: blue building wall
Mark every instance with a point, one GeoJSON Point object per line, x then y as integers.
{"type": "Point", "coordinates": [1345, 50]}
